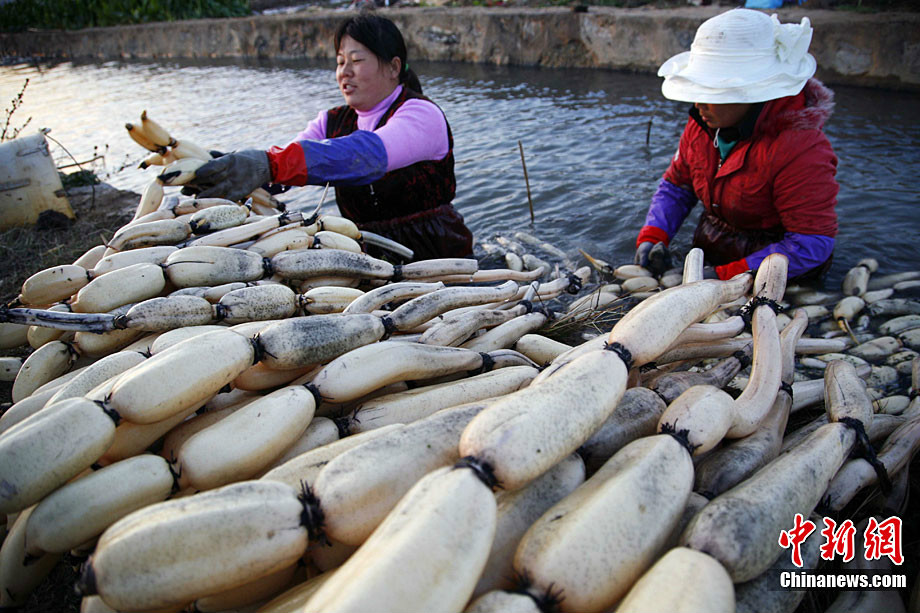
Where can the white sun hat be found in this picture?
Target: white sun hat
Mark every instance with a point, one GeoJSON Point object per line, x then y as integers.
{"type": "Point", "coordinates": [741, 56]}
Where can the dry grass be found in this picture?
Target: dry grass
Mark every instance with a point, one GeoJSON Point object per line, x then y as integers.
{"type": "Point", "coordinates": [572, 328]}
{"type": "Point", "coordinates": [99, 210]}
{"type": "Point", "coordinates": [56, 594]}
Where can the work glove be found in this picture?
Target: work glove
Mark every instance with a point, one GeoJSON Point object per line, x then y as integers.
{"type": "Point", "coordinates": [642, 253]}
{"type": "Point", "coordinates": [659, 259]}
{"type": "Point", "coordinates": [232, 176]}
{"type": "Point", "coordinates": [653, 256]}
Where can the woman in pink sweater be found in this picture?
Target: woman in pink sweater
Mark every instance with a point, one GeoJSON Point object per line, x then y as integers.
{"type": "Point", "coordinates": [388, 150]}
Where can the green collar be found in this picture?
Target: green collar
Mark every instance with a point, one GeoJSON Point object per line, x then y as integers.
{"type": "Point", "coordinates": [724, 139]}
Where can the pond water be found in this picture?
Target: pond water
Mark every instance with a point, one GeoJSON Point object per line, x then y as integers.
{"type": "Point", "coordinates": [596, 142]}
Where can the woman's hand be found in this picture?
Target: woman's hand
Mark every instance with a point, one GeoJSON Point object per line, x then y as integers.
{"type": "Point", "coordinates": [232, 176]}
{"type": "Point", "coordinates": [653, 256]}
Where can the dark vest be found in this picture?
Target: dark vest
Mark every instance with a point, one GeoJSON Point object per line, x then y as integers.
{"type": "Point", "coordinates": [401, 192]}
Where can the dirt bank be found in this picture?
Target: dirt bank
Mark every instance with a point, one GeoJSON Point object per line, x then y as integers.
{"type": "Point", "coordinates": [878, 49]}
{"type": "Point", "coordinates": [99, 209]}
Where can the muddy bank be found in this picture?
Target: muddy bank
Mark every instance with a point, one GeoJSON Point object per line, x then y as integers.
{"type": "Point", "coordinates": [100, 210]}
{"type": "Point", "coordinates": [876, 50]}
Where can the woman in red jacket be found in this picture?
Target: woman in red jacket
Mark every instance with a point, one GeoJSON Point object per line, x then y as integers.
{"type": "Point", "coordinates": [752, 151]}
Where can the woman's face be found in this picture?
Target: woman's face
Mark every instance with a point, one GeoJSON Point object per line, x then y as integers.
{"type": "Point", "coordinates": [363, 79]}
{"type": "Point", "coordinates": [722, 115]}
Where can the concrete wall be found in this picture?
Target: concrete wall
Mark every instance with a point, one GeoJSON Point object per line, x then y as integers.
{"type": "Point", "coordinates": [879, 50]}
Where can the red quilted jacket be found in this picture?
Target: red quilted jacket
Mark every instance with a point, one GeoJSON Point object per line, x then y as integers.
{"type": "Point", "coordinates": [782, 177]}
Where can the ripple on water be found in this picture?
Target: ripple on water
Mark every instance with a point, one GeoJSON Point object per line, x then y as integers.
{"type": "Point", "coordinates": [584, 135]}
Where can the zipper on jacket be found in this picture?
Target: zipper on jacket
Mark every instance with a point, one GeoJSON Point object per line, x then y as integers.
{"type": "Point", "coordinates": [715, 144]}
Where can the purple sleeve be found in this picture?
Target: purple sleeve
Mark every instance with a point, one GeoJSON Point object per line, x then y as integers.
{"type": "Point", "coordinates": [416, 132]}
{"type": "Point", "coordinates": [670, 206]}
{"type": "Point", "coordinates": [805, 251]}
{"type": "Point", "coordinates": [315, 130]}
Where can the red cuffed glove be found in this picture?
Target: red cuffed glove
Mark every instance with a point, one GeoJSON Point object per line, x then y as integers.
{"type": "Point", "coordinates": [652, 234]}
{"type": "Point", "coordinates": [727, 271]}
{"type": "Point", "coordinates": [288, 165]}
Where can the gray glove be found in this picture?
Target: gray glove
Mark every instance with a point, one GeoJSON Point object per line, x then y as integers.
{"type": "Point", "coordinates": [653, 256]}
{"type": "Point", "coordinates": [709, 272]}
{"type": "Point", "coordinates": [232, 176]}
{"type": "Point", "coordinates": [659, 259]}
{"type": "Point", "coordinates": [642, 252]}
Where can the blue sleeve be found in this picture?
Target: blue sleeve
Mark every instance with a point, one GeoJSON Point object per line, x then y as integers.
{"type": "Point", "coordinates": [804, 251]}
{"type": "Point", "coordinates": [357, 159]}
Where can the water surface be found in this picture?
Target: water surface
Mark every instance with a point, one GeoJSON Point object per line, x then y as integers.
{"type": "Point", "coordinates": [596, 141]}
